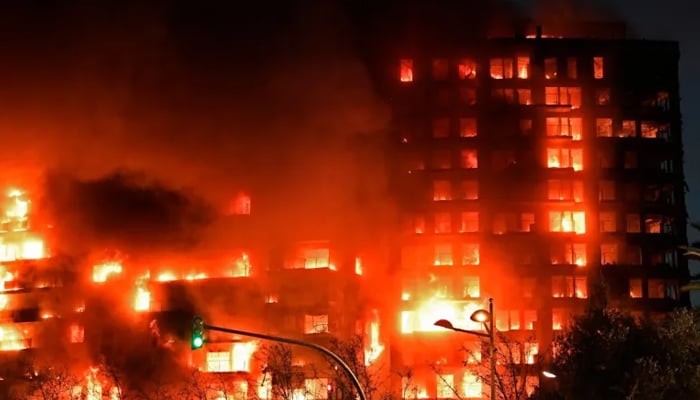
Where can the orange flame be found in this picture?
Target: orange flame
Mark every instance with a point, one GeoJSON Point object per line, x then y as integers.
{"type": "Point", "coordinates": [101, 272]}
{"type": "Point", "coordinates": [242, 353]}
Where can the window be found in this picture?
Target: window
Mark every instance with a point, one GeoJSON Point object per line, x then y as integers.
{"type": "Point", "coordinates": [527, 220]}
{"type": "Point", "coordinates": [563, 126]}
{"type": "Point", "coordinates": [440, 69]}
{"type": "Point", "coordinates": [524, 97]}
{"type": "Point", "coordinates": [470, 222]}
{"type": "Point", "coordinates": [528, 286]}
{"type": "Point", "coordinates": [569, 287]}
{"type": "Point", "coordinates": [550, 68]}
{"type": "Point", "coordinates": [471, 287]}
{"type": "Point", "coordinates": [529, 318]}
{"type": "Point", "coordinates": [441, 128]}
{"type": "Point", "coordinates": [631, 192]}
{"type": "Point", "coordinates": [604, 127]}
{"type": "Point", "coordinates": [468, 159]}
{"type": "Point", "coordinates": [598, 72]}
{"type": "Point", "coordinates": [416, 224]}
{"type": "Point", "coordinates": [502, 159]}
{"type": "Point", "coordinates": [649, 130]}
{"type": "Point", "coordinates": [406, 70]}
{"type": "Point", "coordinates": [470, 189]}
{"type": "Point", "coordinates": [504, 95]}
{"type": "Point", "coordinates": [501, 68]}
{"type": "Point", "coordinates": [633, 223]}
{"type": "Point", "coordinates": [606, 190]}
{"type": "Point", "coordinates": [559, 319]}
{"type": "Point", "coordinates": [608, 254]}
{"type": "Point", "coordinates": [442, 190]}
{"type": "Point", "coordinates": [315, 323]}
{"type": "Point", "coordinates": [571, 68]}
{"type": "Point", "coordinates": [467, 127]}
{"type": "Point", "coordinates": [442, 159]}
{"type": "Point", "coordinates": [567, 221]}
{"type": "Point", "coordinates": [507, 320]}
{"type": "Point", "coordinates": [523, 67]}
{"type": "Point", "coordinates": [443, 222]}
{"type": "Point", "coordinates": [558, 189]}
{"type": "Point", "coordinates": [445, 385]}
{"type": "Point", "coordinates": [602, 97]}
{"type": "Point", "coordinates": [629, 128]}
{"type": "Point", "coordinates": [241, 352]}
{"type": "Point", "coordinates": [630, 160]}
{"type": "Point", "coordinates": [467, 96]}
{"type": "Point", "coordinates": [441, 97]}
{"type": "Point", "coordinates": [633, 255]}
{"type": "Point", "coordinates": [311, 258]}
{"type": "Point", "coordinates": [635, 287]}
{"type": "Point", "coordinates": [219, 361]}
{"type": "Point", "coordinates": [466, 69]}
{"type": "Point", "coordinates": [569, 254]}
{"type": "Point", "coordinates": [565, 158]}
{"type": "Point", "coordinates": [471, 386]}
{"type": "Point", "coordinates": [443, 254]}
{"type": "Point", "coordinates": [470, 254]}
{"type": "Point", "coordinates": [652, 224]}
{"type": "Point", "coordinates": [525, 127]}
{"type": "Point", "coordinates": [562, 96]}
{"type": "Point", "coordinates": [607, 222]}
{"type": "Point", "coordinates": [656, 288]}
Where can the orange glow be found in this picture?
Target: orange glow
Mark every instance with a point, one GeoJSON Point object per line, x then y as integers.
{"type": "Point", "coordinates": [27, 248]}
{"type": "Point", "coordinates": [358, 266]}
{"type": "Point", "coordinates": [374, 347]}
{"type": "Point", "coordinates": [481, 316]}
{"type": "Point", "coordinates": [242, 353]}
{"type": "Point", "coordinates": [166, 276]}
{"type": "Point", "coordinates": [4, 301]}
{"type": "Point", "coordinates": [142, 299]}
{"type": "Point", "coordinates": [422, 319]}
{"type": "Point", "coordinates": [240, 205]}
{"type": "Point", "coordinates": [241, 266]}
{"type": "Point", "coordinates": [406, 70]}
{"type": "Point", "coordinates": [565, 158]}
{"type": "Point", "coordinates": [567, 221]}
{"type": "Point", "coordinates": [523, 67]}
{"type": "Point", "coordinates": [100, 272]}
{"type": "Point", "coordinates": [195, 276]}
{"type": "Point", "coordinates": [11, 339]}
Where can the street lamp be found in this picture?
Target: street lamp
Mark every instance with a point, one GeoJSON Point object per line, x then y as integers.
{"type": "Point", "coordinates": [486, 318]}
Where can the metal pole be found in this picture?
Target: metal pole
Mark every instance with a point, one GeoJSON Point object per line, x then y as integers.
{"type": "Point", "coordinates": [492, 351]}
{"type": "Point", "coordinates": [335, 357]}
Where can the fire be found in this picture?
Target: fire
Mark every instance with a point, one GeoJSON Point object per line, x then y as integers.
{"type": "Point", "coordinates": [241, 266]}
{"type": "Point", "coordinates": [358, 266]}
{"type": "Point", "coordinates": [167, 276]}
{"type": "Point", "coordinates": [101, 272]}
{"type": "Point", "coordinates": [19, 205]}
{"type": "Point", "coordinates": [195, 276]}
{"type": "Point", "coordinates": [94, 388]}
{"type": "Point", "coordinates": [375, 347]}
{"type": "Point", "coordinates": [4, 301]}
{"type": "Point", "coordinates": [242, 353]}
{"type": "Point", "coordinates": [422, 319]}
{"type": "Point", "coordinates": [11, 339]}
{"type": "Point", "coordinates": [142, 300]}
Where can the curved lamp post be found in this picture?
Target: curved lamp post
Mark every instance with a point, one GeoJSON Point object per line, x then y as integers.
{"type": "Point", "coordinates": [486, 318]}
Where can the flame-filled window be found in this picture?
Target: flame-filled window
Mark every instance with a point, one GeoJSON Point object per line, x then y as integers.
{"type": "Point", "coordinates": [633, 223]}
{"type": "Point", "coordinates": [442, 159]}
{"type": "Point", "coordinates": [312, 258]}
{"type": "Point", "coordinates": [570, 287]}
{"type": "Point", "coordinates": [471, 386]}
{"type": "Point", "coordinates": [607, 220]}
{"type": "Point", "coordinates": [635, 288]}
{"type": "Point", "coordinates": [470, 254]}
{"type": "Point", "coordinates": [562, 96]}
{"type": "Point", "coordinates": [629, 128]}
{"type": "Point", "coordinates": [524, 97]}
{"type": "Point", "coordinates": [443, 222]}
{"type": "Point", "coordinates": [529, 319]}
{"type": "Point", "coordinates": [558, 189]}
{"type": "Point", "coordinates": [415, 224]}
{"type": "Point", "coordinates": [469, 159]}
{"type": "Point", "coordinates": [440, 69]}
{"type": "Point", "coordinates": [501, 68]}
{"type": "Point", "coordinates": [602, 97]}
{"type": "Point", "coordinates": [466, 69]}
{"type": "Point", "coordinates": [441, 127]}
{"type": "Point", "coordinates": [445, 385]}
{"type": "Point", "coordinates": [569, 254]}
{"type": "Point", "coordinates": [565, 158]}
{"type": "Point", "coordinates": [442, 190]}
{"type": "Point", "coordinates": [606, 190]}
{"type": "Point", "coordinates": [604, 127]}
{"type": "Point", "coordinates": [523, 67]}
{"type": "Point", "coordinates": [467, 96]}
{"type": "Point", "coordinates": [443, 254]}
{"type": "Point", "coordinates": [241, 204]}
{"type": "Point", "coordinates": [469, 189]}
{"type": "Point", "coordinates": [571, 68]}
{"type": "Point", "coordinates": [471, 288]}
{"type": "Point", "coordinates": [219, 361]}
{"type": "Point", "coordinates": [469, 222]}
{"type": "Point", "coordinates": [315, 323]}
{"type": "Point", "coordinates": [525, 127]}
{"type": "Point", "coordinates": [467, 127]}
{"type": "Point", "coordinates": [598, 72]}
{"type": "Point", "coordinates": [559, 319]}
{"type": "Point", "coordinates": [406, 70]}
{"type": "Point", "coordinates": [567, 221]}
{"type": "Point", "coordinates": [649, 130]}
{"type": "Point", "coordinates": [563, 126]}
{"type": "Point", "coordinates": [530, 352]}
{"type": "Point", "coordinates": [528, 287]}
{"type": "Point", "coordinates": [609, 254]}
{"type": "Point", "coordinates": [508, 320]}
{"type": "Point", "coordinates": [241, 266]}
{"type": "Point", "coordinates": [630, 160]}
{"type": "Point", "coordinates": [550, 68]}
{"type": "Point", "coordinates": [652, 224]}
{"type": "Point", "coordinates": [76, 333]}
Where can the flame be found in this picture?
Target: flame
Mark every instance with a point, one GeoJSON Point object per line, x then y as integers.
{"type": "Point", "coordinates": [11, 339]}
{"type": "Point", "coordinates": [375, 347]}
{"type": "Point", "coordinates": [242, 353]}
{"type": "Point", "coordinates": [522, 72]}
{"type": "Point", "coordinates": [4, 300]}
{"type": "Point", "coordinates": [241, 266]}
{"type": "Point", "coordinates": [422, 319]}
{"type": "Point", "coordinates": [142, 300]}
{"type": "Point", "coordinates": [195, 276]}
{"type": "Point", "coordinates": [101, 272]}
{"type": "Point", "coordinates": [19, 207]}
{"type": "Point", "coordinates": [358, 266]}
{"type": "Point", "coordinates": [94, 388]}
{"type": "Point", "coordinates": [166, 276]}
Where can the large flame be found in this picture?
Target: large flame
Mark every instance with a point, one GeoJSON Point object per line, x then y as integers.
{"type": "Point", "coordinates": [11, 338]}
{"type": "Point", "coordinates": [102, 271]}
{"type": "Point", "coordinates": [242, 353]}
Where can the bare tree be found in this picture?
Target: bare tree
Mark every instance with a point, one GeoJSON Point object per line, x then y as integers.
{"type": "Point", "coordinates": [45, 381]}
{"type": "Point", "coordinates": [278, 371]}
{"type": "Point", "coordinates": [352, 352]}
{"type": "Point", "coordinates": [409, 389]}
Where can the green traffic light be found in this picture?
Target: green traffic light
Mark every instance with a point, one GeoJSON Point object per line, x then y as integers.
{"type": "Point", "coordinates": [197, 342]}
{"type": "Point", "coordinates": [197, 333]}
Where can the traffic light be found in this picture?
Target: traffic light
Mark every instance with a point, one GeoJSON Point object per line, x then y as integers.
{"type": "Point", "coordinates": [197, 333]}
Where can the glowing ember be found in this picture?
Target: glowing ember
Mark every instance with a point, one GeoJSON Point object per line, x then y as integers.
{"type": "Point", "coordinates": [101, 272]}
